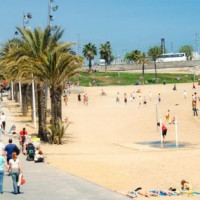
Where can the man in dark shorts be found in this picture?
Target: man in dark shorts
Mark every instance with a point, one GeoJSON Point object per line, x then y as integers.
{"type": "Point", "coordinates": [9, 149]}
{"type": "Point", "coordinates": [164, 132]}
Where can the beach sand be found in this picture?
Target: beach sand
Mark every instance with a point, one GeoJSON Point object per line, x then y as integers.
{"type": "Point", "coordinates": [104, 140]}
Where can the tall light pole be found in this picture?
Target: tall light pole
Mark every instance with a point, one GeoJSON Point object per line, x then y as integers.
{"type": "Point", "coordinates": [50, 18]}
{"type": "Point", "coordinates": [26, 18]}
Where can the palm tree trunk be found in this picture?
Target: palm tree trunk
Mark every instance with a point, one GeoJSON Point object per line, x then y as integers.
{"type": "Point", "coordinates": [42, 112]}
{"type": "Point", "coordinates": [90, 64]}
{"type": "Point", "coordinates": [143, 73]}
{"type": "Point", "coordinates": [16, 93]}
{"type": "Point", "coordinates": [156, 77]}
{"type": "Point", "coordinates": [24, 99]}
{"type": "Point", "coordinates": [56, 104]}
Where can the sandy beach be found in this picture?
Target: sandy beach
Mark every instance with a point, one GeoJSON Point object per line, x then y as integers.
{"type": "Point", "coordinates": [105, 142]}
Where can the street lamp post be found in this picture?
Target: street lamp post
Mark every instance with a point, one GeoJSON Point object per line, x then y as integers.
{"type": "Point", "coordinates": [50, 18]}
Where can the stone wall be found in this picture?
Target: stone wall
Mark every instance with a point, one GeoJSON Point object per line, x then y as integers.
{"type": "Point", "coordinates": [160, 65]}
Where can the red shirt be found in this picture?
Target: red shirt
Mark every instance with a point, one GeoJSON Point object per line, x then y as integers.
{"type": "Point", "coordinates": [21, 133]}
{"type": "Point", "coordinates": [164, 127]}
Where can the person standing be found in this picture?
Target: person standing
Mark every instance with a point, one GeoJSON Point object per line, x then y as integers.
{"type": "Point", "coordinates": [174, 88]}
{"type": "Point", "coordinates": [15, 169]}
{"type": "Point", "coordinates": [184, 94]}
{"type": "Point", "coordinates": [117, 97]}
{"type": "Point", "coordinates": [86, 99]}
{"type": "Point", "coordinates": [144, 101]}
{"type": "Point", "coordinates": [140, 101]}
{"type": "Point", "coordinates": [2, 163]}
{"type": "Point", "coordinates": [150, 95]}
{"type": "Point", "coordinates": [65, 99]}
{"type": "Point", "coordinates": [79, 97]}
{"type": "Point", "coordinates": [125, 98]}
{"type": "Point", "coordinates": [164, 132]}
{"type": "Point", "coordinates": [159, 98]}
{"type": "Point", "coordinates": [133, 95]}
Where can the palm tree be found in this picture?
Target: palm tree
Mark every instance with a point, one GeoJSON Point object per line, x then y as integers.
{"type": "Point", "coordinates": [57, 67]}
{"type": "Point", "coordinates": [105, 53]}
{"type": "Point", "coordinates": [155, 52]}
{"type": "Point", "coordinates": [142, 60]}
{"type": "Point", "coordinates": [34, 44]}
{"type": "Point", "coordinates": [89, 51]}
{"type": "Point", "coordinates": [133, 55]}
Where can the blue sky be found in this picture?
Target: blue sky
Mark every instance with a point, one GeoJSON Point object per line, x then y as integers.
{"type": "Point", "coordinates": [127, 24]}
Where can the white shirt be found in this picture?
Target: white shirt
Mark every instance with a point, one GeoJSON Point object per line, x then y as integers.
{"type": "Point", "coordinates": [2, 147]}
{"type": "Point", "coordinates": [14, 164]}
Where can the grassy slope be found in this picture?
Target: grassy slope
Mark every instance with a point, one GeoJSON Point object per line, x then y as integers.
{"type": "Point", "coordinates": [112, 78]}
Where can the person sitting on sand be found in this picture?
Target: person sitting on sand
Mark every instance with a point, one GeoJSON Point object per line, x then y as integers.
{"type": "Point", "coordinates": [186, 185]}
{"type": "Point", "coordinates": [138, 91]}
{"type": "Point", "coordinates": [167, 116]}
{"type": "Point", "coordinates": [39, 156]}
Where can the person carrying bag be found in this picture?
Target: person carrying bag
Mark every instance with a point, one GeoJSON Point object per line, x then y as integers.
{"type": "Point", "coordinates": [15, 169]}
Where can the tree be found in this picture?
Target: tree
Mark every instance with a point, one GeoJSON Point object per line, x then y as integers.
{"type": "Point", "coordinates": [142, 60]}
{"type": "Point", "coordinates": [155, 52]}
{"type": "Point", "coordinates": [133, 55]}
{"type": "Point", "coordinates": [57, 67]}
{"type": "Point", "coordinates": [187, 49]}
{"type": "Point", "coordinates": [33, 45]}
{"type": "Point", "coordinates": [89, 51]}
{"type": "Point", "coordinates": [105, 53]}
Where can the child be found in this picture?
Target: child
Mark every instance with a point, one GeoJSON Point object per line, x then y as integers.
{"type": "Point", "coordinates": [185, 185]}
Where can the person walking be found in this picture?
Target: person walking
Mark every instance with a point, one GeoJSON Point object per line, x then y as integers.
{"type": "Point", "coordinates": [3, 121]}
{"type": "Point", "coordinates": [15, 169]}
{"type": "Point", "coordinates": [23, 142]}
{"type": "Point", "coordinates": [194, 108]}
{"type": "Point", "coordinates": [2, 163]}
{"type": "Point", "coordinates": [9, 149]}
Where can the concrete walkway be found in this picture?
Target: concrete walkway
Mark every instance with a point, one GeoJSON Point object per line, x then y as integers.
{"type": "Point", "coordinates": [45, 182]}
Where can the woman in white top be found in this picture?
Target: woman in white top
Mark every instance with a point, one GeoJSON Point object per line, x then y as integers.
{"type": "Point", "coordinates": [15, 169]}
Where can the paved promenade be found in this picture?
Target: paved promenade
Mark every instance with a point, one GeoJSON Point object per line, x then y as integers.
{"type": "Point", "coordinates": [45, 182]}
